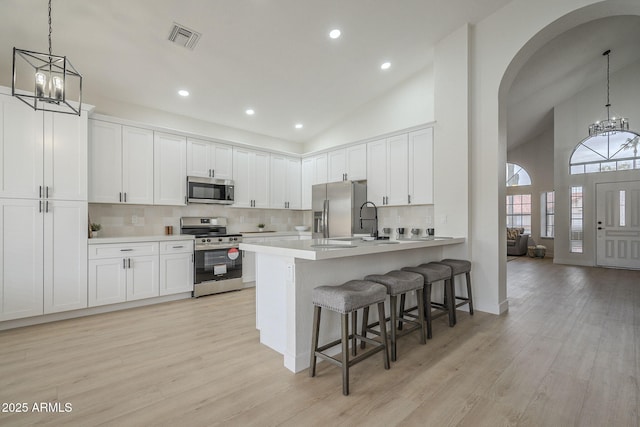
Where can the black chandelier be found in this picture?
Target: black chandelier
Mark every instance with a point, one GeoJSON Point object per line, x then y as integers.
{"type": "Point", "coordinates": [610, 125]}
{"type": "Point", "coordinates": [45, 81]}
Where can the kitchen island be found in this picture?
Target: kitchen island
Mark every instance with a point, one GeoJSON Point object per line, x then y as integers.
{"type": "Point", "coordinates": [288, 270]}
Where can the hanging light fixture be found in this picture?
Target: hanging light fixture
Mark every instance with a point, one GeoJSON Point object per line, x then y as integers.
{"type": "Point", "coordinates": [612, 124]}
{"type": "Point", "coordinates": [45, 81]}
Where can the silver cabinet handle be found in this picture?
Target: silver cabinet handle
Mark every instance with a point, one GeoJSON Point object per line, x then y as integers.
{"type": "Point", "coordinates": [40, 206]}
{"type": "Point", "coordinates": [125, 197]}
{"type": "Point", "coordinates": [120, 196]}
{"type": "Point", "coordinates": [409, 197]}
{"type": "Point", "coordinates": [126, 250]}
{"type": "Point", "coordinates": [178, 247]}
{"type": "Point", "coordinates": [213, 173]}
{"type": "Point", "coordinates": [46, 192]}
{"type": "Point", "coordinates": [46, 207]}
{"type": "Point", "coordinates": [124, 263]}
{"type": "Point", "coordinates": [40, 192]}
{"type": "Point", "coordinates": [129, 262]}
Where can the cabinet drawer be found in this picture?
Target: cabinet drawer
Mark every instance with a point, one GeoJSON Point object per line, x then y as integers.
{"type": "Point", "coordinates": [176, 246]}
{"type": "Point", "coordinates": [117, 250]}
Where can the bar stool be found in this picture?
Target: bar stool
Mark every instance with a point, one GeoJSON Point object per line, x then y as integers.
{"type": "Point", "coordinates": [432, 273]}
{"type": "Point", "coordinates": [344, 299]}
{"type": "Point", "coordinates": [460, 266]}
{"type": "Point", "coordinates": [398, 283]}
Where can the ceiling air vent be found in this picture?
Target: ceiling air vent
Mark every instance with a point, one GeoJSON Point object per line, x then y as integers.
{"type": "Point", "coordinates": [183, 36]}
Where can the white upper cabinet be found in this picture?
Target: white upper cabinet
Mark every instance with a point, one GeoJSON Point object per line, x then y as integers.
{"type": "Point", "coordinates": [285, 182]}
{"type": "Point", "coordinates": [208, 159]}
{"type": "Point", "coordinates": [137, 165]}
{"type": "Point", "coordinates": [22, 150]}
{"type": "Point", "coordinates": [251, 175]}
{"type": "Point", "coordinates": [120, 163]}
{"type": "Point", "coordinates": [314, 171]}
{"type": "Point", "coordinates": [105, 162]}
{"type": "Point", "coordinates": [170, 169]}
{"type": "Point", "coordinates": [421, 166]}
{"type": "Point", "coordinates": [400, 169]}
{"type": "Point", "coordinates": [43, 154]}
{"type": "Point", "coordinates": [348, 164]}
{"type": "Point", "coordinates": [65, 157]}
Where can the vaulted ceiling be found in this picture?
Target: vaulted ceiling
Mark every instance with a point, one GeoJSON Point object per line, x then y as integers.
{"type": "Point", "coordinates": [276, 56]}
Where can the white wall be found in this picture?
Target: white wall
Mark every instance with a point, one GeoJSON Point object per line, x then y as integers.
{"type": "Point", "coordinates": [501, 44]}
{"type": "Point", "coordinates": [572, 119]}
{"type": "Point", "coordinates": [185, 124]}
{"type": "Point", "coordinates": [536, 157]}
{"type": "Point", "coordinates": [408, 104]}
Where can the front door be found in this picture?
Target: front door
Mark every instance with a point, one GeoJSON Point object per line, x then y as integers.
{"type": "Point", "coordinates": [618, 224]}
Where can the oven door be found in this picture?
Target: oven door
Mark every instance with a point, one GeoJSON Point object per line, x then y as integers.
{"type": "Point", "coordinates": [209, 190]}
{"type": "Point", "coordinates": [217, 264]}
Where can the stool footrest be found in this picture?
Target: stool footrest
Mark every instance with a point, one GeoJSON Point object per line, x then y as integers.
{"type": "Point", "coordinates": [378, 347]}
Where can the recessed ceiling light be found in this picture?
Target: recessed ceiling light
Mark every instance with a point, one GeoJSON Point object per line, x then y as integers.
{"type": "Point", "coordinates": [250, 112]}
{"type": "Point", "coordinates": [299, 126]}
{"type": "Point", "coordinates": [334, 34]}
{"type": "Point", "coordinates": [183, 92]}
{"type": "Point", "coordinates": [385, 65]}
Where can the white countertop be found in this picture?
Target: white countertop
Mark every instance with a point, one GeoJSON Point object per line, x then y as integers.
{"type": "Point", "coordinates": [342, 247]}
{"type": "Point", "coordinates": [274, 233]}
{"type": "Point", "coordinates": [135, 239]}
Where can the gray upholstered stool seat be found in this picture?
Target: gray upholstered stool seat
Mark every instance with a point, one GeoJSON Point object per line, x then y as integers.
{"type": "Point", "coordinates": [347, 299]}
{"type": "Point", "coordinates": [433, 273]}
{"type": "Point", "coordinates": [398, 283]}
{"type": "Point", "coordinates": [460, 266]}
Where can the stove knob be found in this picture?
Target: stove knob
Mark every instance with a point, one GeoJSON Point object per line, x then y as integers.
{"type": "Point", "coordinates": [219, 239]}
{"type": "Point", "coordinates": [208, 240]}
{"type": "Point", "coordinates": [203, 240]}
{"type": "Point", "coordinates": [235, 239]}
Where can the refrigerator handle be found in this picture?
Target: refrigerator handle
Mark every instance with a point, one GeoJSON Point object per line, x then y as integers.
{"type": "Point", "coordinates": [325, 219]}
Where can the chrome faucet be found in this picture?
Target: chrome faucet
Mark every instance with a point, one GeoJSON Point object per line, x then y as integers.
{"type": "Point", "coordinates": [374, 231]}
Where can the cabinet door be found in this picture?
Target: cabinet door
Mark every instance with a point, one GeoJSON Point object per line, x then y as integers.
{"type": "Point", "coordinates": [21, 258]}
{"type": "Point", "coordinates": [241, 175]}
{"type": "Point", "coordinates": [176, 273]}
{"type": "Point", "coordinates": [377, 172]}
{"type": "Point", "coordinates": [65, 156]}
{"type": "Point", "coordinates": [293, 181]}
{"type": "Point", "coordinates": [107, 281]}
{"type": "Point", "coordinates": [170, 169]}
{"type": "Point", "coordinates": [307, 180]}
{"type": "Point", "coordinates": [397, 175]}
{"type": "Point", "coordinates": [222, 164]}
{"type": "Point", "coordinates": [356, 162]}
{"type": "Point", "coordinates": [21, 139]}
{"type": "Point", "coordinates": [421, 166]}
{"type": "Point", "coordinates": [278, 182]}
{"type": "Point", "coordinates": [321, 169]}
{"type": "Point", "coordinates": [336, 165]}
{"type": "Point", "coordinates": [142, 277]}
{"type": "Point", "coordinates": [137, 165]}
{"type": "Point", "coordinates": [65, 255]}
{"type": "Point", "coordinates": [260, 179]}
{"type": "Point", "coordinates": [105, 162]}
{"type": "Point", "coordinates": [198, 158]}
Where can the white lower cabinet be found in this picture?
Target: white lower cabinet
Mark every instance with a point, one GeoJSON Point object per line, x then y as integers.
{"type": "Point", "coordinates": [176, 267]}
{"type": "Point", "coordinates": [123, 272]}
{"type": "Point", "coordinates": [42, 255]}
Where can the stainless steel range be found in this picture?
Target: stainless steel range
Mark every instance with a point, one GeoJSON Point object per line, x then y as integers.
{"type": "Point", "coordinates": [218, 261]}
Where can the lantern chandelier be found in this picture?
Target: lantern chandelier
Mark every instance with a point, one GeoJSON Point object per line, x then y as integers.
{"type": "Point", "coordinates": [612, 124]}
{"type": "Point", "coordinates": [50, 82]}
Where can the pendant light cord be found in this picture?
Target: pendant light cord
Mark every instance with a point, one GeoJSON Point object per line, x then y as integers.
{"type": "Point", "coordinates": [50, 31]}
{"type": "Point", "coordinates": [608, 100]}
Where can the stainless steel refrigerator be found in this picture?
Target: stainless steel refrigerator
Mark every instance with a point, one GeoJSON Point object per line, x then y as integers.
{"type": "Point", "coordinates": [336, 208]}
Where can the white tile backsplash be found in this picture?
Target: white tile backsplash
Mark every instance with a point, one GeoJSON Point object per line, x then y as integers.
{"type": "Point", "coordinates": [138, 220]}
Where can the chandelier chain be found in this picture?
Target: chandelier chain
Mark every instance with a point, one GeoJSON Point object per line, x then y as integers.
{"type": "Point", "coordinates": [50, 30]}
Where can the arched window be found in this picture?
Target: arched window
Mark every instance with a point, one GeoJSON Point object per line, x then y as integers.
{"type": "Point", "coordinates": [604, 153]}
{"type": "Point", "coordinates": [516, 175]}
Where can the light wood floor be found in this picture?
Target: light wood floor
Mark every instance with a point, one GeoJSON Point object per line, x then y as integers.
{"type": "Point", "coordinates": [566, 354]}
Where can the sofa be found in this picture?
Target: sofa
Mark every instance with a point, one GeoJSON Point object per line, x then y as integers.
{"type": "Point", "coordinates": [517, 241]}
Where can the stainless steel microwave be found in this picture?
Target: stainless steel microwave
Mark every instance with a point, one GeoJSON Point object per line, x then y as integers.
{"type": "Point", "coordinates": [209, 190]}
